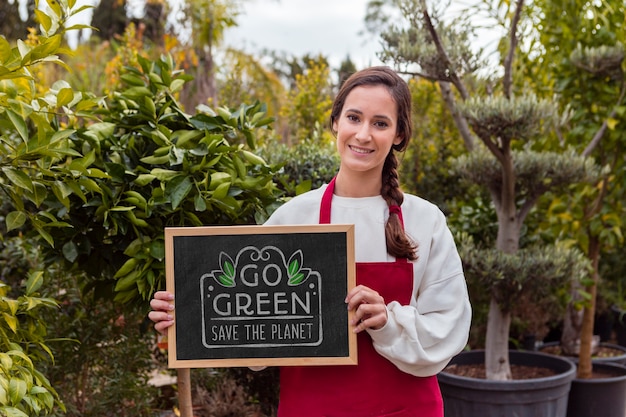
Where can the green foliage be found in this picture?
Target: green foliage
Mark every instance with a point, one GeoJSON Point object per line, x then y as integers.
{"type": "Point", "coordinates": [24, 345]}
{"type": "Point", "coordinates": [305, 166]}
{"type": "Point", "coordinates": [104, 359]}
{"type": "Point", "coordinates": [535, 172]}
{"type": "Point", "coordinates": [505, 118]}
{"type": "Point", "coordinates": [425, 166]}
{"type": "Point", "coordinates": [308, 104]}
{"type": "Point", "coordinates": [158, 167]}
{"type": "Point", "coordinates": [544, 273]}
{"type": "Point", "coordinates": [412, 44]}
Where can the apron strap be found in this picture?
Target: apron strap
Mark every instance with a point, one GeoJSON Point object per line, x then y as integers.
{"type": "Point", "coordinates": [326, 204]}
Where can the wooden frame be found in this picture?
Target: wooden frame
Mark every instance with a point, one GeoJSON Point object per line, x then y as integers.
{"type": "Point", "coordinates": [260, 295]}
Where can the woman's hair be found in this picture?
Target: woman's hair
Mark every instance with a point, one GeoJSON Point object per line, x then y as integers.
{"type": "Point", "coordinates": [398, 243]}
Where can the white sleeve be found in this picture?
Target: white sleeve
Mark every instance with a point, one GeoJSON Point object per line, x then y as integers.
{"type": "Point", "coordinates": [421, 338]}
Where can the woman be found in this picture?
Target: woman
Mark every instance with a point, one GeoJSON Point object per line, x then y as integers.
{"type": "Point", "coordinates": [411, 308]}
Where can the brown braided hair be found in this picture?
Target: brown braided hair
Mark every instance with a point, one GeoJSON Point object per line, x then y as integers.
{"type": "Point", "coordinates": [398, 243]}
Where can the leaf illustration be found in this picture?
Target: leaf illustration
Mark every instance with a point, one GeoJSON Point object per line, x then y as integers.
{"type": "Point", "coordinates": [299, 277]}
{"type": "Point", "coordinates": [294, 263]}
{"type": "Point", "coordinates": [226, 281]}
{"type": "Point", "coordinates": [226, 275]}
{"type": "Point", "coordinates": [293, 268]}
{"type": "Point", "coordinates": [227, 264]}
{"type": "Point", "coordinates": [229, 269]}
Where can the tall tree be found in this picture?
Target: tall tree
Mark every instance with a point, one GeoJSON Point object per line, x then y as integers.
{"type": "Point", "coordinates": [205, 21]}
{"type": "Point", "coordinates": [109, 18]}
{"type": "Point", "coordinates": [346, 68]}
{"type": "Point", "coordinates": [154, 20]}
{"type": "Point", "coordinates": [499, 131]}
{"type": "Point", "coordinates": [11, 25]}
{"type": "Point", "coordinates": [579, 57]}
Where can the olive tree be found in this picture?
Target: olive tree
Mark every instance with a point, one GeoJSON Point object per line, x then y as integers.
{"type": "Point", "coordinates": [499, 129]}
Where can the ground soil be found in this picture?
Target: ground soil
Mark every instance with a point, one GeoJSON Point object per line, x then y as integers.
{"type": "Point", "coordinates": [517, 371]}
{"type": "Point", "coordinates": [529, 372]}
{"type": "Point", "coordinates": [603, 351]}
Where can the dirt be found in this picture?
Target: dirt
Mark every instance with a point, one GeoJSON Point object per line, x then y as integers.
{"type": "Point", "coordinates": [521, 372]}
{"type": "Point", "coordinates": [602, 352]}
{"type": "Point", "coordinates": [517, 371]}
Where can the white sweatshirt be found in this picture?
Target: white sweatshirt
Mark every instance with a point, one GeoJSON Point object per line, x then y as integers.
{"type": "Point", "coordinates": [422, 337]}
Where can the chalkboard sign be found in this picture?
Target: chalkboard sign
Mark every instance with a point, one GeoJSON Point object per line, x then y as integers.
{"type": "Point", "coordinates": [260, 295]}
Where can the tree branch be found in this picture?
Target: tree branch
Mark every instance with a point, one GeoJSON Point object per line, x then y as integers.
{"type": "Point", "coordinates": [508, 62]}
{"type": "Point", "coordinates": [454, 78]}
{"type": "Point", "coordinates": [600, 133]}
{"type": "Point", "coordinates": [461, 122]}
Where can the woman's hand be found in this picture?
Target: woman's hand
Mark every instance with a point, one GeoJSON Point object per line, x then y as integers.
{"type": "Point", "coordinates": [162, 307]}
{"type": "Point", "coordinates": [370, 310]}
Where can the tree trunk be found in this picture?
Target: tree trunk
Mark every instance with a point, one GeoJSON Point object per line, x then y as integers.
{"type": "Point", "coordinates": [572, 323]}
{"type": "Point", "coordinates": [497, 362]}
{"type": "Point", "coordinates": [586, 334]}
{"type": "Point", "coordinates": [184, 392]}
{"type": "Point", "coordinates": [497, 343]}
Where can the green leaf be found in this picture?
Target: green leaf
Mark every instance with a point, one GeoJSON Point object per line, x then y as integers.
{"type": "Point", "coordinates": [5, 49]}
{"type": "Point", "coordinates": [199, 203]}
{"type": "Point", "coordinates": [229, 269]}
{"type": "Point", "coordinates": [65, 96]}
{"type": "Point", "coordinates": [70, 251]}
{"type": "Point", "coordinates": [15, 220]}
{"type": "Point", "coordinates": [294, 267]}
{"type": "Point", "coordinates": [296, 279]}
{"type": "Point", "coordinates": [56, 7]}
{"type": "Point", "coordinates": [144, 179]}
{"type": "Point", "coordinates": [19, 178]}
{"type": "Point", "coordinates": [125, 269]}
{"type": "Point", "coordinates": [34, 282]}
{"type": "Point", "coordinates": [163, 174]}
{"type": "Point", "coordinates": [133, 80]}
{"type": "Point", "coordinates": [17, 390]}
{"type": "Point", "coordinates": [19, 123]}
{"type": "Point", "coordinates": [177, 189]}
{"type": "Point", "coordinates": [3, 395]}
{"type": "Point", "coordinates": [11, 321]}
{"type": "Point", "coordinates": [226, 281]}
{"type": "Point", "coordinates": [13, 412]}
{"type": "Point", "coordinates": [44, 20]}
{"type": "Point", "coordinates": [222, 191]}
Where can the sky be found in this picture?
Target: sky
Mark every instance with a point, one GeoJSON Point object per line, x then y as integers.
{"type": "Point", "coordinates": [328, 27]}
{"type": "Point", "coordinates": [333, 28]}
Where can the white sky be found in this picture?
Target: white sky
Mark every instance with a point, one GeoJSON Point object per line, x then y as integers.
{"type": "Point", "coordinates": [333, 28]}
{"type": "Point", "coordinates": [328, 27]}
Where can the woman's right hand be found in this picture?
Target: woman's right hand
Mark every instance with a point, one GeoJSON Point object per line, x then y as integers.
{"type": "Point", "coordinates": [162, 306]}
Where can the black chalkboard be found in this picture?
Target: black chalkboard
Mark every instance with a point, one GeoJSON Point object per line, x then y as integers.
{"type": "Point", "coordinates": [260, 295]}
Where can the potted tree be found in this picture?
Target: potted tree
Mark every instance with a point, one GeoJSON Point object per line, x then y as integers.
{"type": "Point", "coordinates": [582, 46]}
{"type": "Point", "coordinates": [499, 132]}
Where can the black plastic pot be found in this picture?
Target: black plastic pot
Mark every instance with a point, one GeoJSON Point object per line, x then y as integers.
{"type": "Point", "coordinates": [595, 397]}
{"type": "Point", "coordinates": [539, 397]}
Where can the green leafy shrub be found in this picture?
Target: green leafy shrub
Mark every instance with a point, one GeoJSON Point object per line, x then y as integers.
{"type": "Point", "coordinates": [25, 349]}
{"type": "Point", "coordinates": [304, 166]}
{"type": "Point", "coordinates": [158, 167]}
{"type": "Point", "coordinates": [105, 357]}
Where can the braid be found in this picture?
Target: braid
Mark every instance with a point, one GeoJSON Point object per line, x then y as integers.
{"type": "Point", "coordinates": [398, 243]}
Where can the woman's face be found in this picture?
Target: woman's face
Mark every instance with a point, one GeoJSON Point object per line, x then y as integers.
{"type": "Point", "coordinates": [366, 129]}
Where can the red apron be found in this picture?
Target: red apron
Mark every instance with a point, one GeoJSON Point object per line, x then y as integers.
{"type": "Point", "coordinates": [375, 387]}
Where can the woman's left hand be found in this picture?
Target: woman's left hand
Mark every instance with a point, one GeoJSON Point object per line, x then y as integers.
{"type": "Point", "coordinates": [370, 310]}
